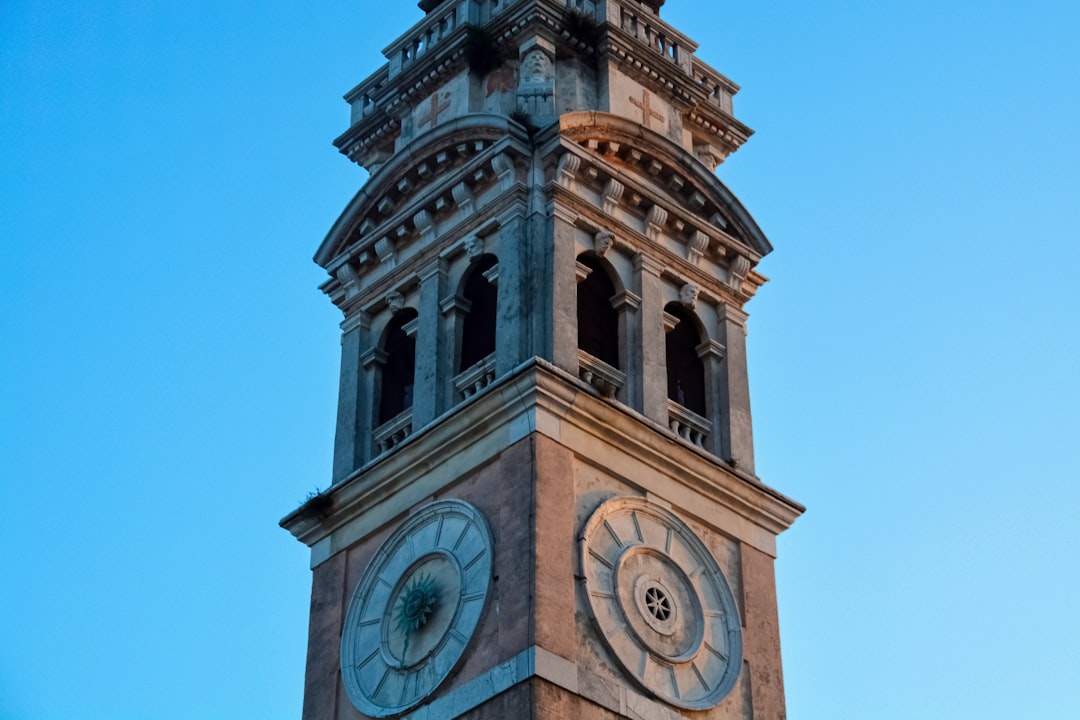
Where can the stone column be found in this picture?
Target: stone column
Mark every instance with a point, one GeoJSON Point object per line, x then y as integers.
{"type": "Point", "coordinates": [737, 436]}
{"type": "Point", "coordinates": [712, 354]}
{"type": "Point", "coordinates": [650, 371]}
{"type": "Point", "coordinates": [628, 305]}
{"type": "Point", "coordinates": [371, 362]}
{"type": "Point", "coordinates": [354, 394]}
{"type": "Point", "coordinates": [432, 363]}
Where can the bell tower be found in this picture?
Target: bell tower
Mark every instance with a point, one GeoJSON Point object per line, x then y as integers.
{"type": "Point", "coordinates": [544, 502]}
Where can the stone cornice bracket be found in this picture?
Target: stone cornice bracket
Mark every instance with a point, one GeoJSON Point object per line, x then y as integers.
{"type": "Point", "coordinates": [738, 267]}
{"type": "Point", "coordinates": [567, 170]}
{"type": "Point", "coordinates": [612, 192]}
{"type": "Point", "coordinates": [395, 301]}
{"type": "Point", "coordinates": [384, 248]}
{"type": "Point", "coordinates": [463, 196]}
{"type": "Point", "coordinates": [503, 166]}
{"type": "Point", "coordinates": [696, 248]}
{"type": "Point", "coordinates": [688, 295]}
{"type": "Point", "coordinates": [349, 279]}
{"type": "Point", "coordinates": [654, 222]}
{"type": "Point", "coordinates": [602, 242]}
{"type": "Point", "coordinates": [425, 223]}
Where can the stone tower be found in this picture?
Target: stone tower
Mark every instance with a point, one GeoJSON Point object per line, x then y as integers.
{"type": "Point", "coordinates": [544, 502]}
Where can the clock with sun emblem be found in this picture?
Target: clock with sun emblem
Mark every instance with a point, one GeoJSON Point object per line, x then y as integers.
{"type": "Point", "coordinates": [661, 603]}
{"type": "Point", "coordinates": [416, 607]}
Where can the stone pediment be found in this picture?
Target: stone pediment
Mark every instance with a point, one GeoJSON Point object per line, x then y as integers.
{"type": "Point", "coordinates": [650, 171]}
{"type": "Point", "coordinates": [408, 195]}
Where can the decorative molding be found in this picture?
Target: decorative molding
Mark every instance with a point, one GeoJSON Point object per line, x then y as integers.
{"type": "Point", "coordinates": [582, 271]}
{"type": "Point", "coordinates": [425, 223]}
{"type": "Point", "coordinates": [696, 248]}
{"type": "Point", "coordinates": [384, 248]}
{"type": "Point", "coordinates": [738, 267]}
{"type": "Point", "coordinates": [463, 196]}
{"type": "Point", "coordinates": [504, 168]}
{"type": "Point", "coordinates": [612, 192]}
{"type": "Point", "coordinates": [655, 221]}
{"type": "Point", "coordinates": [567, 169]}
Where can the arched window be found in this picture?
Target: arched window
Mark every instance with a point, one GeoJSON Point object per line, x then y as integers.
{"type": "Point", "coordinates": [478, 329]}
{"type": "Point", "coordinates": [597, 320]}
{"type": "Point", "coordinates": [685, 371]}
{"type": "Point", "coordinates": [399, 370]}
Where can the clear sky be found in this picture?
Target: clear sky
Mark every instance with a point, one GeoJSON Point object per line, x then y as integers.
{"type": "Point", "coordinates": [168, 368]}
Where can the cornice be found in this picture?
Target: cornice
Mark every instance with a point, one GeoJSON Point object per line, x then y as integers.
{"type": "Point", "coordinates": [539, 398]}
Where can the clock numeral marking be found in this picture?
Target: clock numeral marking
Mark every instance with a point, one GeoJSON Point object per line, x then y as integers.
{"type": "Point", "coordinates": [637, 527]}
{"type": "Point", "coordinates": [384, 581]}
{"type": "Point", "coordinates": [468, 565]}
{"type": "Point", "coordinates": [438, 532]}
{"type": "Point", "coordinates": [601, 558]}
{"type": "Point", "coordinates": [674, 682]}
{"type": "Point", "coordinates": [643, 664]}
{"type": "Point", "coordinates": [667, 541]}
{"type": "Point", "coordinates": [614, 535]}
{"type": "Point", "coordinates": [382, 681]}
{"type": "Point", "coordinates": [472, 597]}
{"type": "Point", "coordinates": [372, 621]}
{"type": "Point", "coordinates": [697, 571]}
{"type": "Point", "coordinates": [368, 659]}
{"type": "Point", "coordinates": [716, 652]}
{"type": "Point", "coordinates": [461, 537]}
{"type": "Point", "coordinates": [457, 635]}
{"type": "Point", "coordinates": [700, 677]}
{"type": "Point", "coordinates": [410, 547]}
{"type": "Point", "coordinates": [601, 594]}
{"type": "Point", "coordinates": [405, 689]}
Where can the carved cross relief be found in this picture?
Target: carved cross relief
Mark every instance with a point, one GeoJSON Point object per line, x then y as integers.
{"type": "Point", "coordinates": [647, 112]}
{"type": "Point", "coordinates": [431, 116]}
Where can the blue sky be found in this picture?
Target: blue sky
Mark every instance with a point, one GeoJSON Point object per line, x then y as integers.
{"type": "Point", "coordinates": [168, 368]}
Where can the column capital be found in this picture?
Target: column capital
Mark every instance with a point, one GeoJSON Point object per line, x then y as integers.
{"type": "Point", "coordinates": [648, 264]}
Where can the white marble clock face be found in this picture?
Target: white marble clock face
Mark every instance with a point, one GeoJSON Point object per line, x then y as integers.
{"type": "Point", "coordinates": [661, 603]}
{"type": "Point", "coordinates": [416, 607]}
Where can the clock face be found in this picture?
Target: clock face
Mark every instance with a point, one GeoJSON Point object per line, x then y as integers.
{"type": "Point", "coordinates": [416, 608]}
{"type": "Point", "coordinates": [661, 603]}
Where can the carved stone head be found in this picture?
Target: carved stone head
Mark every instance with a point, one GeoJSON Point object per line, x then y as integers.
{"type": "Point", "coordinates": [688, 295]}
{"type": "Point", "coordinates": [395, 301]}
{"type": "Point", "coordinates": [603, 241]}
{"type": "Point", "coordinates": [536, 66]}
{"type": "Point", "coordinates": [474, 247]}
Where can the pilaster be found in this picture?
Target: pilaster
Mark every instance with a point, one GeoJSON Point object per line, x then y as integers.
{"type": "Point", "coordinates": [353, 394]}
{"type": "Point", "coordinates": [736, 431]}
{"type": "Point", "coordinates": [432, 363]}
{"type": "Point", "coordinates": [651, 380]}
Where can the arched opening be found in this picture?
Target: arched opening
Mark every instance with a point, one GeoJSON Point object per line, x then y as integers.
{"type": "Point", "coordinates": [685, 370]}
{"type": "Point", "coordinates": [478, 328]}
{"type": "Point", "coordinates": [399, 369]}
{"type": "Point", "coordinates": [597, 320]}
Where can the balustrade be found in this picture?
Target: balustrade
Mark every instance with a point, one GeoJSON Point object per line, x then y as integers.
{"type": "Point", "coordinates": [476, 378]}
{"type": "Point", "coordinates": [393, 432]}
{"type": "Point", "coordinates": [688, 425]}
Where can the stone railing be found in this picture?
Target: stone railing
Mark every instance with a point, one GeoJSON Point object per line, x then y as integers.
{"type": "Point", "coordinates": [719, 89]}
{"type": "Point", "coordinates": [653, 33]}
{"type": "Point", "coordinates": [393, 432]}
{"type": "Point", "coordinates": [687, 424]}
{"type": "Point", "coordinates": [361, 99]}
{"type": "Point", "coordinates": [429, 32]}
{"type": "Point", "coordinates": [606, 379]}
{"type": "Point", "coordinates": [476, 378]}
